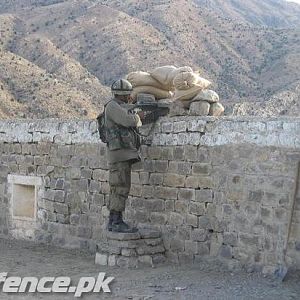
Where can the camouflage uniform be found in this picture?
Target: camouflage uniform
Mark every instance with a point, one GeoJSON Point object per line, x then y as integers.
{"type": "Point", "coordinates": [120, 182]}
{"type": "Point", "coordinates": [123, 144]}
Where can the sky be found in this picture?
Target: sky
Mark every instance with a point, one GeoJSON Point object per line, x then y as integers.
{"type": "Point", "coordinates": [296, 1]}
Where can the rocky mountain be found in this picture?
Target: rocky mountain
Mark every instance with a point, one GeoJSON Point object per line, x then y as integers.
{"type": "Point", "coordinates": [271, 13]}
{"type": "Point", "coordinates": [58, 57]}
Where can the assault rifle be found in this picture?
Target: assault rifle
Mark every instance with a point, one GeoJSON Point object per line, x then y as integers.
{"type": "Point", "coordinates": [152, 111]}
{"type": "Point", "coordinates": [151, 108]}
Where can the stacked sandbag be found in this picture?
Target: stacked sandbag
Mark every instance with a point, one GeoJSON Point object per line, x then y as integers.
{"type": "Point", "coordinates": [143, 82]}
{"type": "Point", "coordinates": [166, 74]}
{"type": "Point", "coordinates": [216, 109]}
{"type": "Point", "coordinates": [188, 85]}
{"type": "Point", "coordinates": [141, 78]}
{"type": "Point", "coordinates": [207, 95]}
{"type": "Point", "coordinates": [182, 85]}
{"type": "Point", "coordinates": [186, 95]}
{"type": "Point", "coordinates": [208, 101]}
{"type": "Point", "coordinates": [156, 92]}
{"type": "Point", "coordinates": [188, 80]}
{"type": "Point", "coordinates": [191, 90]}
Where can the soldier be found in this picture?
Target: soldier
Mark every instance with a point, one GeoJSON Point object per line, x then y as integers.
{"type": "Point", "coordinates": [123, 150]}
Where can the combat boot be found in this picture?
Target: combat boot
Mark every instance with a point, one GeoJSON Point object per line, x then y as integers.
{"type": "Point", "coordinates": [118, 225]}
{"type": "Point", "coordinates": [110, 220]}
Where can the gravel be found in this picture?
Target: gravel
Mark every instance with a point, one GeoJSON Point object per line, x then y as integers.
{"type": "Point", "coordinates": [201, 281]}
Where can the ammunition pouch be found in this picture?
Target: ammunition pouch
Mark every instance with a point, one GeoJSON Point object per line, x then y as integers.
{"type": "Point", "coordinates": [120, 137]}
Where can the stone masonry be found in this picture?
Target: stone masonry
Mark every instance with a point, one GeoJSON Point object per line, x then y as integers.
{"type": "Point", "coordinates": [220, 187]}
{"type": "Point", "coordinates": [131, 250]}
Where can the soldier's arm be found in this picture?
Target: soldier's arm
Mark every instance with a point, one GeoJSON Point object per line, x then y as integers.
{"type": "Point", "coordinates": [121, 116]}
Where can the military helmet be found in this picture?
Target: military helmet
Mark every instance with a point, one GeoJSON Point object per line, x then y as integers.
{"type": "Point", "coordinates": [121, 87]}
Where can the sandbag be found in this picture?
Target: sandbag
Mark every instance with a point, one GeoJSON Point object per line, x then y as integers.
{"type": "Point", "coordinates": [140, 78]}
{"type": "Point", "coordinates": [203, 83]}
{"type": "Point", "coordinates": [185, 80]}
{"type": "Point", "coordinates": [199, 108]}
{"type": "Point", "coordinates": [157, 93]}
{"type": "Point", "coordinates": [161, 73]}
{"type": "Point", "coordinates": [216, 109]}
{"type": "Point", "coordinates": [189, 94]}
{"type": "Point", "coordinates": [207, 95]}
{"type": "Point", "coordinates": [165, 75]}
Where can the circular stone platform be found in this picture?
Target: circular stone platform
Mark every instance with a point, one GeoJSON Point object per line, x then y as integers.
{"type": "Point", "coordinates": [131, 250]}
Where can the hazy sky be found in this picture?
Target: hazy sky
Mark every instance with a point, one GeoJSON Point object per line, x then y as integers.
{"type": "Point", "coordinates": [296, 1]}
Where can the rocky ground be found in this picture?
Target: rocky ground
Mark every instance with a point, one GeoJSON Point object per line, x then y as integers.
{"type": "Point", "coordinates": [205, 281]}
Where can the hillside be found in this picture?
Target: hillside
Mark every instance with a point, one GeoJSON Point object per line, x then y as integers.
{"type": "Point", "coordinates": [43, 81]}
{"type": "Point", "coordinates": [281, 103]}
{"type": "Point", "coordinates": [249, 49]}
{"type": "Point", "coordinates": [271, 13]}
{"type": "Point", "coordinates": [34, 92]}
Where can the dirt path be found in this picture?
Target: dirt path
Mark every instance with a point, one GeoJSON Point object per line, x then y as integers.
{"type": "Point", "coordinates": [199, 282]}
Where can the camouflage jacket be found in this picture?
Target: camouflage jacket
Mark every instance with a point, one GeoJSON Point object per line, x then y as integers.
{"type": "Point", "coordinates": [122, 141]}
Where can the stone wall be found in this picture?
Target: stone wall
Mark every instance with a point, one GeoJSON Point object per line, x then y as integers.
{"type": "Point", "coordinates": [219, 187]}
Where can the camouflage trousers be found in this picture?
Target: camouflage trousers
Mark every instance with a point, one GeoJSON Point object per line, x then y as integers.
{"type": "Point", "coordinates": [120, 182]}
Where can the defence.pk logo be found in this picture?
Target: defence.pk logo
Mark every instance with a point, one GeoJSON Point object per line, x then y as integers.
{"type": "Point", "coordinates": [55, 284]}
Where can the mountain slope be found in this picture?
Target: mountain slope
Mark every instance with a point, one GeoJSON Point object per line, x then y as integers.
{"type": "Point", "coordinates": [272, 13]}
{"type": "Point", "coordinates": [45, 54]}
{"type": "Point", "coordinates": [249, 49]}
{"type": "Point", "coordinates": [238, 57]}
{"type": "Point", "coordinates": [281, 103]}
{"type": "Point", "coordinates": [39, 93]}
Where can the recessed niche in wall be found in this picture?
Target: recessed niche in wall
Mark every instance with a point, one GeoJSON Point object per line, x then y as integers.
{"type": "Point", "coordinates": [23, 201]}
{"type": "Point", "coordinates": [23, 196]}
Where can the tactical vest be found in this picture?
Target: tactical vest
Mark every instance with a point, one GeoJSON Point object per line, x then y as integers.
{"type": "Point", "coordinates": [120, 137]}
